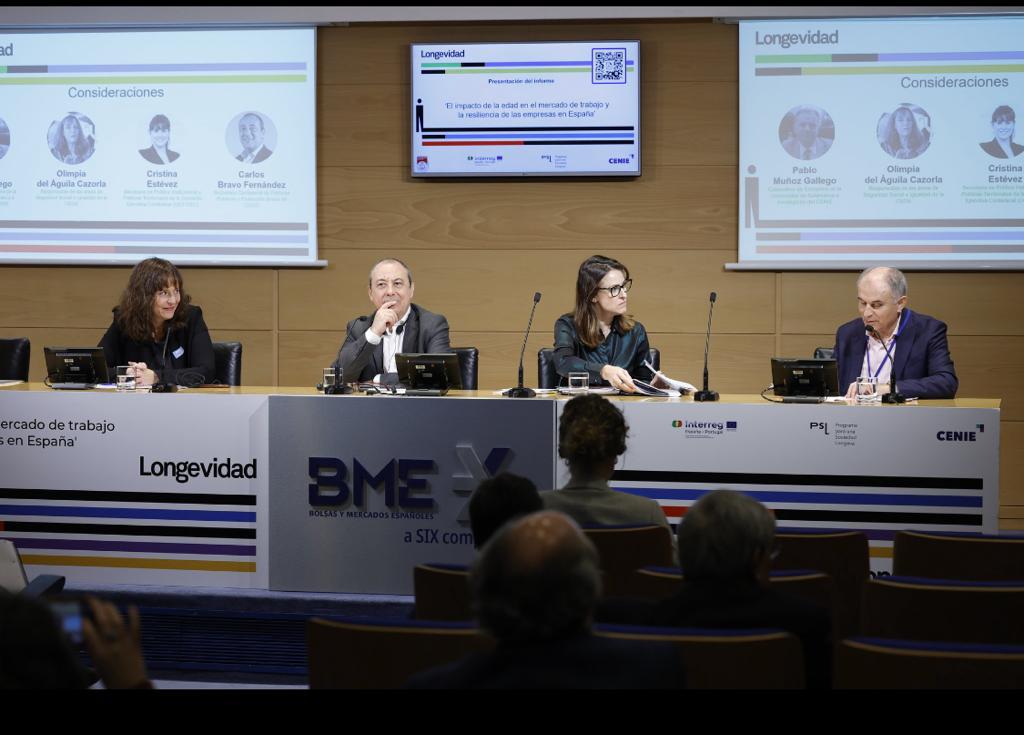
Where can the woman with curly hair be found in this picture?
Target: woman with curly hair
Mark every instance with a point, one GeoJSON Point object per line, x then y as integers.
{"type": "Point", "coordinates": [902, 138]}
{"type": "Point", "coordinates": [591, 436]}
{"type": "Point", "coordinates": [71, 144]}
{"type": "Point", "coordinates": [158, 331]}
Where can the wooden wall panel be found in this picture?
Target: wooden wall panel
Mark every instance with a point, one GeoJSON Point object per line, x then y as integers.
{"type": "Point", "coordinates": [1011, 465]}
{"type": "Point", "coordinates": [969, 303]}
{"type": "Point", "coordinates": [493, 289]}
{"type": "Point", "coordinates": [58, 297]}
{"type": "Point", "coordinates": [257, 353]}
{"type": "Point", "coordinates": [671, 207]}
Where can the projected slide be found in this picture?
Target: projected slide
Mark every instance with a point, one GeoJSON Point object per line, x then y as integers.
{"type": "Point", "coordinates": [196, 146]}
{"type": "Point", "coordinates": [536, 109]}
{"type": "Point", "coordinates": [881, 141]}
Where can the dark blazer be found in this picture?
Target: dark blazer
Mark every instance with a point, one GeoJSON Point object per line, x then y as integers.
{"type": "Point", "coordinates": [625, 350]}
{"type": "Point", "coordinates": [191, 341]}
{"type": "Point", "coordinates": [424, 331]}
{"type": "Point", "coordinates": [263, 155]}
{"type": "Point", "coordinates": [152, 156]}
{"type": "Point", "coordinates": [993, 148]}
{"type": "Point", "coordinates": [579, 662]}
{"type": "Point", "coordinates": [923, 366]}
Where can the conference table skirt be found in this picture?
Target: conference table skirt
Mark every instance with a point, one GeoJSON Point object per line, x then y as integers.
{"type": "Point", "coordinates": [286, 489]}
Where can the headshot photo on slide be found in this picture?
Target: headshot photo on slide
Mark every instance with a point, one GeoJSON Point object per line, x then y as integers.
{"type": "Point", "coordinates": [72, 138]}
{"type": "Point", "coordinates": [251, 137]}
{"type": "Point", "coordinates": [5, 138]}
{"type": "Point", "coordinates": [1004, 120]}
{"type": "Point", "coordinates": [906, 132]}
{"type": "Point", "coordinates": [807, 132]}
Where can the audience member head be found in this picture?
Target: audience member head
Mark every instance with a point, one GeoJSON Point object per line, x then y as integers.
{"type": "Point", "coordinates": [597, 278]}
{"type": "Point", "coordinates": [726, 536]}
{"type": "Point", "coordinates": [34, 652]}
{"type": "Point", "coordinates": [537, 579]}
{"type": "Point", "coordinates": [154, 298]}
{"type": "Point", "coordinates": [591, 436]}
{"type": "Point", "coordinates": [498, 500]}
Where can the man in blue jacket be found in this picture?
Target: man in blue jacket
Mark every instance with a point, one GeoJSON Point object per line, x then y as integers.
{"type": "Point", "coordinates": [917, 343]}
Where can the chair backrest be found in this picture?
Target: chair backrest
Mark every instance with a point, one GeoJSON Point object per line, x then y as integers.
{"type": "Point", "coordinates": [469, 366]}
{"type": "Point", "coordinates": [824, 353]}
{"type": "Point", "coordinates": [14, 358]}
{"type": "Point", "coordinates": [726, 659]}
{"type": "Point", "coordinates": [382, 654]}
{"type": "Point", "coordinates": [227, 357]}
{"type": "Point", "coordinates": [441, 592]}
{"type": "Point", "coordinates": [921, 609]}
{"type": "Point", "coordinates": [843, 556]}
{"type": "Point", "coordinates": [659, 583]}
{"type": "Point", "coordinates": [879, 663]}
{"type": "Point", "coordinates": [624, 549]}
{"type": "Point", "coordinates": [958, 556]}
{"type": "Point", "coordinates": [548, 378]}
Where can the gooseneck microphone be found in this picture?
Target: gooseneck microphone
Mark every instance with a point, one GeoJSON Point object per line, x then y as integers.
{"type": "Point", "coordinates": [706, 394]}
{"type": "Point", "coordinates": [520, 391]}
{"type": "Point", "coordinates": [893, 396]}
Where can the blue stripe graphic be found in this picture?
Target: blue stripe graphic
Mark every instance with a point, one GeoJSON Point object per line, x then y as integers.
{"type": "Point", "coordinates": [767, 496]}
{"type": "Point", "coordinates": [151, 513]}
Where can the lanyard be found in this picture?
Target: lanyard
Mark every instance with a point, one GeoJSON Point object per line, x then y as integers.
{"type": "Point", "coordinates": [867, 346]}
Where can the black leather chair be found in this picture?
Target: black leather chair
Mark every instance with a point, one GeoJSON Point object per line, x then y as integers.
{"type": "Point", "coordinates": [548, 378]}
{"type": "Point", "coordinates": [824, 353]}
{"type": "Point", "coordinates": [14, 357]}
{"type": "Point", "coordinates": [227, 357]}
{"type": "Point", "coordinates": [469, 366]}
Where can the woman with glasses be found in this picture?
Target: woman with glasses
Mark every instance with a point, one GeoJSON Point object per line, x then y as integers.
{"type": "Point", "coordinates": [158, 331]}
{"type": "Point", "coordinates": [600, 338]}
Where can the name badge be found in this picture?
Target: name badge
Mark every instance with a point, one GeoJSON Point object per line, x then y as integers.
{"type": "Point", "coordinates": [178, 352]}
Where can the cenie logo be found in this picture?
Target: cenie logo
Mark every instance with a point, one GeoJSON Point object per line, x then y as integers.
{"type": "Point", "coordinates": [618, 160]}
{"type": "Point", "coordinates": [184, 470]}
{"type": "Point", "coordinates": [959, 436]}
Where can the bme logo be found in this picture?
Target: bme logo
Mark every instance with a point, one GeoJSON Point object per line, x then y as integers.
{"type": "Point", "coordinates": [331, 484]}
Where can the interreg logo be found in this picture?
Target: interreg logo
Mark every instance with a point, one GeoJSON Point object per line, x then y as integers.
{"type": "Point", "coordinates": [960, 436]}
{"type": "Point", "coordinates": [705, 429]}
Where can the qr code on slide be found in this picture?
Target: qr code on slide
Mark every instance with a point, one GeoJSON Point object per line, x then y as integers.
{"type": "Point", "coordinates": [608, 65]}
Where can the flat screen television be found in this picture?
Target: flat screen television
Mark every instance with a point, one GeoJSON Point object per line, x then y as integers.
{"type": "Point", "coordinates": [805, 377]}
{"type": "Point", "coordinates": [566, 108]}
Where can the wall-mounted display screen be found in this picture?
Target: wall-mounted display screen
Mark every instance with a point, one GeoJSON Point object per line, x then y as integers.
{"type": "Point", "coordinates": [881, 141]}
{"type": "Point", "coordinates": [198, 146]}
{"type": "Point", "coordinates": [526, 109]}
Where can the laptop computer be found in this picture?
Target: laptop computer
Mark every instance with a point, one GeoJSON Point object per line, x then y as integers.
{"type": "Point", "coordinates": [427, 374]}
{"type": "Point", "coordinates": [809, 380]}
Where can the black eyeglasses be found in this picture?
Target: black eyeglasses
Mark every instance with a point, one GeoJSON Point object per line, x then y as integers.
{"type": "Point", "coordinates": [614, 291]}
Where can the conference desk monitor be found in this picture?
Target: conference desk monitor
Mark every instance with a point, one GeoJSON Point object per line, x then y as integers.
{"type": "Point", "coordinates": [427, 374]}
{"type": "Point", "coordinates": [75, 368]}
{"type": "Point", "coordinates": [808, 380]}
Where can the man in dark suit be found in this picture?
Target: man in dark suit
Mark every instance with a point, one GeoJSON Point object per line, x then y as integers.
{"type": "Point", "coordinates": [920, 350]}
{"type": "Point", "coordinates": [250, 135]}
{"type": "Point", "coordinates": [726, 542]}
{"type": "Point", "coordinates": [535, 587]}
{"type": "Point", "coordinates": [397, 325]}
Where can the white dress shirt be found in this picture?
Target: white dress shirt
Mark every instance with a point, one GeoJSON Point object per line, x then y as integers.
{"type": "Point", "coordinates": [392, 339]}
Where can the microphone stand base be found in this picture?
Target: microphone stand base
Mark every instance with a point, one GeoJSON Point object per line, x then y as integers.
{"type": "Point", "coordinates": [894, 398]}
{"type": "Point", "coordinates": [705, 395]}
{"type": "Point", "coordinates": [520, 392]}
